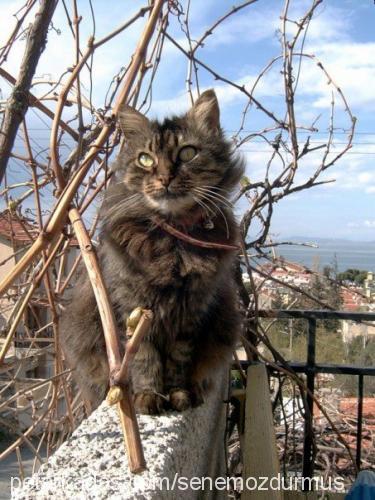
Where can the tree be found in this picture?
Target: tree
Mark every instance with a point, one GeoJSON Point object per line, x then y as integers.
{"type": "Point", "coordinates": [355, 276]}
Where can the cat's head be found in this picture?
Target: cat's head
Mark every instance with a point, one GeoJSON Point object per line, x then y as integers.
{"type": "Point", "coordinates": [179, 164]}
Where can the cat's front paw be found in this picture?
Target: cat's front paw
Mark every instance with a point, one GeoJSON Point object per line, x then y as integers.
{"type": "Point", "coordinates": [148, 403]}
{"type": "Point", "coordinates": [180, 399]}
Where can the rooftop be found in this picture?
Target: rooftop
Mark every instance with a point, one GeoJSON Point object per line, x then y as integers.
{"type": "Point", "coordinates": [17, 228]}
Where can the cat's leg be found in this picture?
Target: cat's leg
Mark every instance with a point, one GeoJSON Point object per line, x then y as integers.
{"type": "Point", "coordinates": [82, 342]}
{"type": "Point", "coordinates": [147, 379]}
{"type": "Point", "coordinates": [215, 342]}
{"type": "Point", "coordinates": [178, 374]}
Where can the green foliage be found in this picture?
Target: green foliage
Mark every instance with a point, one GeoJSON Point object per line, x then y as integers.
{"type": "Point", "coordinates": [291, 342]}
{"type": "Point", "coordinates": [353, 276]}
{"type": "Point", "coordinates": [360, 352]}
{"type": "Point", "coordinates": [289, 337]}
{"type": "Point", "coordinates": [330, 349]}
{"type": "Point", "coordinates": [245, 181]}
{"type": "Point", "coordinates": [326, 288]}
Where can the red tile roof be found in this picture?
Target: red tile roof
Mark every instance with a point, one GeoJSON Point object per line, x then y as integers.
{"type": "Point", "coordinates": [352, 299]}
{"type": "Point", "coordinates": [348, 406]}
{"type": "Point", "coordinates": [20, 229]}
{"type": "Point", "coordinates": [285, 266]}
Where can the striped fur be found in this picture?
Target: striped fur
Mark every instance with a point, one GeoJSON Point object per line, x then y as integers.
{"type": "Point", "coordinates": [189, 289]}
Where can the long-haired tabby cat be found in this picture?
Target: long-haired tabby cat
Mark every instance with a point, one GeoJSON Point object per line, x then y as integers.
{"type": "Point", "coordinates": [181, 172]}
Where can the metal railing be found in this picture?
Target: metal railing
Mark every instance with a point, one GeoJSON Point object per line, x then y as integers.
{"type": "Point", "coordinates": [311, 368]}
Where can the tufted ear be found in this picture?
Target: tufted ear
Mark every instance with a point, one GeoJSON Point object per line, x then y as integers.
{"type": "Point", "coordinates": [132, 121]}
{"type": "Point", "coordinates": [205, 111]}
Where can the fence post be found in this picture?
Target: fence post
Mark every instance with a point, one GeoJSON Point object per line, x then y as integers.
{"type": "Point", "coordinates": [308, 445]}
{"type": "Point", "coordinates": [260, 456]}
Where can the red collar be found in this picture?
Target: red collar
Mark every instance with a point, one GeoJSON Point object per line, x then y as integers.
{"type": "Point", "coordinates": [187, 223]}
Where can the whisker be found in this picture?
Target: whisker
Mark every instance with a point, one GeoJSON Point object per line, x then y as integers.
{"type": "Point", "coordinates": [211, 189]}
{"type": "Point", "coordinates": [205, 207]}
{"type": "Point", "coordinates": [208, 200]}
{"type": "Point", "coordinates": [215, 196]}
{"type": "Point", "coordinates": [118, 211]}
{"type": "Point", "coordinates": [216, 187]}
{"type": "Point", "coordinates": [118, 195]}
{"type": "Point", "coordinates": [123, 204]}
{"type": "Point", "coordinates": [125, 200]}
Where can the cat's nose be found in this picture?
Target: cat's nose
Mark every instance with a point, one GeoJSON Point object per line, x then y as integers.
{"type": "Point", "coordinates": [165, 179]}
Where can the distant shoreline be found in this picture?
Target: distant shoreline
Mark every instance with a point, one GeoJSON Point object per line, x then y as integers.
{"type": "Point", "coordinates": [349, 254]}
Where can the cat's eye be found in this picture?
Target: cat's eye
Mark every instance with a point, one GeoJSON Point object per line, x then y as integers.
{"type": "Point", "coordinates": [187, 153]}
{"type": "Point", "coordinates": [146, 160]}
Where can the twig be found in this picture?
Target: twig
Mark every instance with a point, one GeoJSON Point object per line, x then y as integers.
{"type": "Point", "coordinates": [18, 102]}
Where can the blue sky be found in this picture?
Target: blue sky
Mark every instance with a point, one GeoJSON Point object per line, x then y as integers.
{"type": "Point", "coordinates": [341, 36]}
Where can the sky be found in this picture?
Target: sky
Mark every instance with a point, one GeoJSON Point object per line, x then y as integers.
{"type": "Point", "coordinates": [340, 35]}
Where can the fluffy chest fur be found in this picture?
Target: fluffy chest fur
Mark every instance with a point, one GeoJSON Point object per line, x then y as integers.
{"type": "Point", "coordinates": [145, 266]}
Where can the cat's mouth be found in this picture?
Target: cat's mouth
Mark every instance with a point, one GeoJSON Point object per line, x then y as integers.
{"type": "Point", "coordinates": [169, 195]}
{"type": "Point", "coordinates": [170, 202]}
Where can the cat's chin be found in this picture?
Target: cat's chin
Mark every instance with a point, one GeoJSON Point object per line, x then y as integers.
{"type": "Point", "coordinates": [172, 206]}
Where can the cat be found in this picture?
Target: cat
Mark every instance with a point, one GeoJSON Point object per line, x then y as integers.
{"type": "Point", "coordinates": [180, 172]}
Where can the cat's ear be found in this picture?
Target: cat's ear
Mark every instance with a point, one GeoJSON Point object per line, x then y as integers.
{"type": "Point", "coordinates": [132, 121]}
{"type": "Point", "coordinates": [205, 111]}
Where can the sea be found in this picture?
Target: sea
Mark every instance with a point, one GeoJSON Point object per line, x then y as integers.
{"type": "Point", "coordinates": [348, 254]}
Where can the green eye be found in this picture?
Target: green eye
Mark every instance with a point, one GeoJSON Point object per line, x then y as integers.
{"type": "Point", "coordinates": [146, 160]}
{"type": "Point", "coordinates": [187, 153]}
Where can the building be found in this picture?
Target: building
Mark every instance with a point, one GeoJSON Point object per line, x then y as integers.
{"type": "Point", "coordinates": [288, 272]}
{"type": "Point", "coordinates": [351, 330]}
{"type": "Point", "coordinates": [369, 285]}
{"type": "Point", "coordinates": [16, 234]}
{"type": "Point", "coordinates": [27, 362]}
